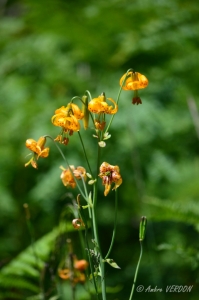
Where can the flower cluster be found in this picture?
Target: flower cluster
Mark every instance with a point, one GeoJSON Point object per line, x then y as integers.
{"type": "Point", "coordinates": [68, 118]}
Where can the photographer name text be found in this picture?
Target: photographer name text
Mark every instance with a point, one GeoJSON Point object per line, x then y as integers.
{"type": "Point", "coordinates": [168, 289]}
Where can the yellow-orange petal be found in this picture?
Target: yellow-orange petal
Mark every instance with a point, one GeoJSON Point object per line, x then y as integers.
{"type": "Point", "coordinates": [31, 145]}
{"type": "Point", "coordinates": [95, 106]}
{"type": "Point", "coordinates": [44, 153]}
{"type": "Point", "coordinates": [111, 110]}
{"type": "Point", "coordinates": [71, 123]}
{"type": "Point", "coordinates": [117, 184]}
{"type": "Point", "coordinates": [32, 162]}
{"type": "Point", "coordinates": [58, 121]}
{"type": "Point", "coordinates": [133, 81]}
{"type": "Point", "coordinates": [62, 110]}
{"type": "Point", "coordinates": [41, 142]}
{"type": "Point", "coordinates": [99, 105]}
{"type": "Point", "coordinates": [64, 274]}
{"type": "Point", "coordinates": [81, 264]}
{"type": "Point", "coordinates": [67, 178]}
{"type": "Point", "coordinates": [107, 189]}
{"type": "Point", "coordinates": [77, 111]}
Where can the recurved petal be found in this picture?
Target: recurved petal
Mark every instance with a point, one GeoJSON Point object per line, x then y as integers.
{"type": "Point", "coordinates": [77, 111]}
{"type": "Point", "coordinates": [113, 110]}
{"type": "Point", "coordinates": [71, 123]}
{"type": "Point", "coordinates": [62, 110]}
{"type": "Point", "coordinates": [117, 184]}
{"type": "Point", "coordinates": [143, 81]}
{"type": "Point", "coordinates": [44, 153]}
{"type": "Point", "coordinates": [58, 120]}
{"type": "Point", "coordinates": [107, 189]}
{"type": "Point", "coordinates": [95, 106]}
{"type": "Point", "coordinates": [31, 145]}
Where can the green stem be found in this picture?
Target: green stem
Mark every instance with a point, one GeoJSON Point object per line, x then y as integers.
{"type": "Point", "coordinates": [95, 229]}
{"type": "Point", "coordinates": [75, 97]}
{"type": "Point", "coordinates": [85, 153]}
{"type": "Point", "coordinates": [115, 224]}
{"type": "Point", "coordinates": [64, 158]}
{"type": "Point", "coordinates": [136, 271]}
{"type": "Point", "coordinates": [118, 98]}
{"type": "Point", "coordinates": [90, 261]}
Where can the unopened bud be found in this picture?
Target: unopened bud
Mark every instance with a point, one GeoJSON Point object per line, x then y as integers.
{"type": "Point", "coordinates": [142, 231]}
{"type": "Point", "coordinates": [85, 111]}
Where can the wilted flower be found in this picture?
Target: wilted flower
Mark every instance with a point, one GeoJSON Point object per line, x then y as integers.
{"type": "Point", "coordinates": [99, 125]}
{"type": "Point", "coordinates": [62, 140]}
{"type": "Point", "coordinates": [110, 174]}
{"type": "Point", "coordinates": [99, 105]}
{"type": "Point", "coordinates": [67, 117]}
{"type": "Point", "coordinates": [68, 178]}
{"type": "Point", "coordinates": [134, 81]}
{"type": "Point", "coordinates": [38, 149]}
{"type": "Point", "coordinates": [80, 173]}
{"type": "Point", "coordinates": [78, 223]}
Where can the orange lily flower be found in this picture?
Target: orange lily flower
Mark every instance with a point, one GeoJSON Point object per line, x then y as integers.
{"type": "Point", "coordinates": [37, 148]}
{"type": "Point", "coordinates": [134, 81]}
{"type": "Point", "coordinates": [99, 105]}
{"type": "Point", "coordinates": [110, 174]}
{"type": "Point", "coordinates": [75, 278]}
{"type": "Point", "coordinates": [67, 117]}
{"type": "Point", "coordinates": [80, 265]}
{"type": "Point", "coordinates": [68, 178]}
{"type": "Point", "coordinates": [76, 273]}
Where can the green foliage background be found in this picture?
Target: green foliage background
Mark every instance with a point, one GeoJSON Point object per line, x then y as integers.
{"type": "Point", "coordinates": [51, 51]}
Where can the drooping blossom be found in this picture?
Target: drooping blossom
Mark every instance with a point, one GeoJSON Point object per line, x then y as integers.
{"type": "Point", "coordinates": [110, 174]}
{"type": "Point", "coordinates": [39, 150]}
{"type": "Point", "coordinates": [134, 81]}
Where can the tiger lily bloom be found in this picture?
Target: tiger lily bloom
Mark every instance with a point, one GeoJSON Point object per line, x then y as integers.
{"type": "Point", "coordinates": [99, 105]}
{"type": "Point", "coordinates": [110, 174]}
{"type": "Point", "coordinates": [76, 272]}
{"type": "Point", "coordinates": [68, 178]}
{"type": "Point", "coordinates": [38, 148]}
{"type": "Point", "coordinates": [67, 117]}
{"type": "Point", "coordinates": [134, 81]}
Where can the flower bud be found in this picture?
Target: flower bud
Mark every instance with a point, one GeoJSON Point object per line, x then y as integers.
{"type": "Point", "coordinates": [85, 111]}
{"type": "Point", "coordinates": [142, 231]}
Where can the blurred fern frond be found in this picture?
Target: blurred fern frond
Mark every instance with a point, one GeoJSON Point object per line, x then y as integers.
{"type": "Point", "coordinates": [22, 277]}
{"type": "Point", "coordinates": [164, 210]}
